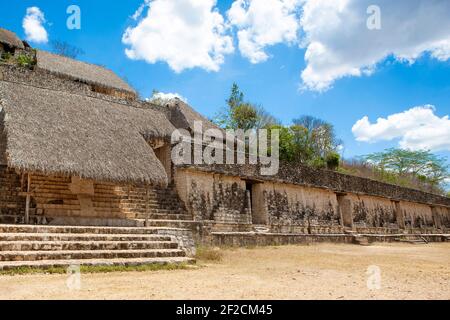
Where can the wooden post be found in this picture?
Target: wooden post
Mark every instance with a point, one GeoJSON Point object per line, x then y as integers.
{"type": "Point", "coordinates": [146, 207]}
{"type": "Point", "coordinates": [27, 204]}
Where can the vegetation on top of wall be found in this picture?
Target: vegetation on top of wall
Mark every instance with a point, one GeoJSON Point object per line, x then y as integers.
{"type": "Point", "coordinates": [241, 114]}
{"type": "Point", "coordinates": [420, 170]}
{"type": "Point", "coordinates": [308, 140]}
{"type": "Point", "coordinates": [24, 59]}
{"type": "Point", "coordinates": [6, 56]}
{"type": "Point", "coordinates": [312, 141]}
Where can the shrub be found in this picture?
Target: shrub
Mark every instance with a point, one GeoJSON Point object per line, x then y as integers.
{"type": "Point", "coordinates": [333, 159]}
{"type": "Point", "coordinates": [25, 61]}
{"type": "Point", "coordinates": [6, 56]}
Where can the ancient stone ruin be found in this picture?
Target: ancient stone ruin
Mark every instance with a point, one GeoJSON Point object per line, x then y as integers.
{"type": "Point", "coordinates": [86, 177]}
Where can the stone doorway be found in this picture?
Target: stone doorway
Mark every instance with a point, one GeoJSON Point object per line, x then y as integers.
{"type": "Point", "coordinates": [345, 209]}
{"type": "Point", "coordinates": [163, 153]}
{"type": "Point", "coordinates": [256, 202]}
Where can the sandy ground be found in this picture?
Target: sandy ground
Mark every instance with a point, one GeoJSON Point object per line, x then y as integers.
{"type": "Point", "coordinates": [325, 271]}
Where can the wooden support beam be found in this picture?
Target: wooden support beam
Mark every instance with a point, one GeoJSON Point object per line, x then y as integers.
{"type": "Point", "coordinates": [27, 203]}
{"type": "Point", "coordinates": [146, 207]}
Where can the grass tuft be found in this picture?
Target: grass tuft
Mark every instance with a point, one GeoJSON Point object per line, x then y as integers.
{"type": "Point", "coordinates": [209, 254]}
{"type": "Point", "coordinates": [97, 269]}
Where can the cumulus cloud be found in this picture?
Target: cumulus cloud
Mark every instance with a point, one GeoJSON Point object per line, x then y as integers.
{"type": "Point", "coordinates": [339, 44]}
{"type": "Point", "coordinates": [262, 23]}
{"type": "Point", "coordinates": [183, 33]}
{"type": "Point", "coordinates": [165, 97]}
{"type": "Point", "coordinates": [417, 128]}
{"type": "Point", "coordinates": [33, 25]}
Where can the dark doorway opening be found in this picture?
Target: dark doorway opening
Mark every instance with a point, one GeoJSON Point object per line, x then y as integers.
{"type": "Point", "coordinates": [345, 208]}
{"type": "Point", "coordinates": [256, 201]}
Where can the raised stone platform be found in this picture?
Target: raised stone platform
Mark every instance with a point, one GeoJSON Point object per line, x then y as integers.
{"type": "Point", "coordinates": [49, 246]}
{"type": "Point", "coordinates": [238, 239]}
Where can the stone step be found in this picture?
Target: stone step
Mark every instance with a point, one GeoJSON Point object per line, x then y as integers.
{"type": "Point", "coordinates": [84, 254]}
{"type": "Point", "coordinates": [170, 223]}
{"type": "Point", "coordinates": [81, 237]}
{"type": "Point", "coordinates": [361, 240]}
{"type": "Point", "coordinates": [174, 216]}
{"type": "Point", "coordinates": [84, 245]}
{"type": "Point", "coordinates": [75, 229]}
{"type": "Point", "coordinates": [46, 264]}
{"type": "Point", "coordinates": [157, 211]}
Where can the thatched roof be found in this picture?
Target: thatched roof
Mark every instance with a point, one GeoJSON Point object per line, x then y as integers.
{"type": "Point", "coordinates": [183, 116]}
{"type": "Point", "coordinates": [55, 132]}
{"type": "Point", "coordinates": [10, 38]}
{"type": "Point", "coordinates": [80, 71]}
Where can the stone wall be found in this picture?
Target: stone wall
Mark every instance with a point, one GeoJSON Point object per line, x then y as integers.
{"type": "Point", "coordinates": [335, 181]}
{"type": "Point", "coordinates": [285, 207]}
{"type": "Point", "coordinates": [2, 140]}
{"type": "Point", "coordinates": [12, 205]}
{"type": "Point", "coordinates": [295, 208]}
{"type": "Point", "coordinates": [58, 199]}
{"type": "Point", "coordinates": [214, 197]}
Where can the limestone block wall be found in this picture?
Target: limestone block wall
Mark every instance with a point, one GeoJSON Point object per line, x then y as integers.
{"type": "Point", "coordinates": [12, 205]}
{"type": "Point", "coordinates": [417, 215]}
{"type": "Point", "coordinates": [373, 212]}
{"type": "Point", "coordinates": [441, 216]}
{"type": "Point", "coordinates": [287, 207]}
{"type": "Point", "coordinates": [300, 206]}
{"type": "Point", "coordinates": [66, 198]}
{"type": "Point", "coordinates": [213, 197]}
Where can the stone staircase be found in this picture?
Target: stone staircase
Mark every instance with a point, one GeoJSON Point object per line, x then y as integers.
{"type": "Point", "coordinates": [361, 240]}
{"type": "Point", "coordinates": [59, 246]}
{"type": "Point", "coordinates": [159, 208]}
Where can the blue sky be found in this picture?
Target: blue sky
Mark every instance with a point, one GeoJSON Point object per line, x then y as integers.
{"type": "Point", "coordinates": [393, 86]}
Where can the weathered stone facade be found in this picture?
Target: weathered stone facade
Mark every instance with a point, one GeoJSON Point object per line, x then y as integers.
{"type": "Point", "coordinates": [235, 199]}
{"type": "Point", "coordinates": [213, 197]}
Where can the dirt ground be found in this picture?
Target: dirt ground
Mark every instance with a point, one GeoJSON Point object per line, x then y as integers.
{"type": "Point", "coordinates": [324, 271]}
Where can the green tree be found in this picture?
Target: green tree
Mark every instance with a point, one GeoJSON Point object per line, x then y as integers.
{"type": "Point", "coordinates": [244, 116]}
{"type": "Point", "coordinates": [421, 164]}
{"type": "Point", "coordinates": [297, 145]}
{"type": "Point", "coordinates": [241, 114]}
{"type": "Point", "coordinates": [236, 97]}
{"type": "Point", "coordinates": [320, 135]}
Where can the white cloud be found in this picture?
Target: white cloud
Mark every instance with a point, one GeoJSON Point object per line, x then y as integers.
{"type": "Point", "coordinates": [161, 96]}
{"type": "Point", "coordinates": [263, 23]}
{"type": "Point", "coordinates": [417, 128]}
{"type": "Point", "coordinates": [33, 25]}
{"type": "Point", "coordinates": [339, 44]}
{"type": "Point", "coordinates": [184, 33]}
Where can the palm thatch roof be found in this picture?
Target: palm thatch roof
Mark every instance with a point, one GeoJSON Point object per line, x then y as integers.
{"type": "Point", "coordinates": [183, 116]}
{"type": "Point", "coordinates": [11, 39]}
{"type": "Point", "coordinates": [55, 132]}
{"type": "Point", "coordinates": [80, 71]}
